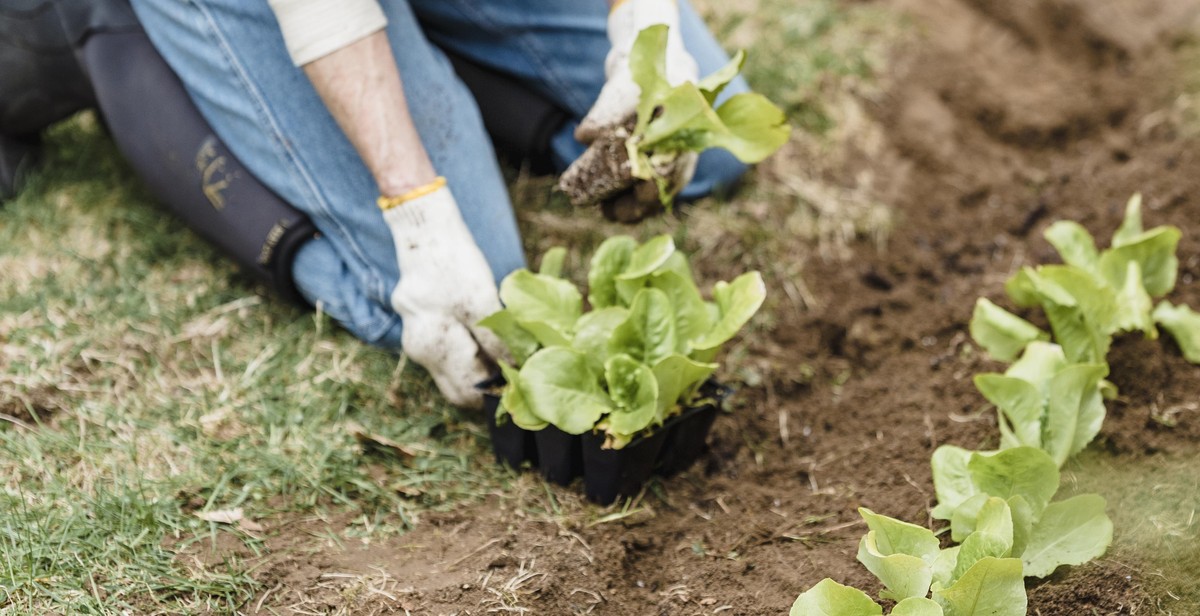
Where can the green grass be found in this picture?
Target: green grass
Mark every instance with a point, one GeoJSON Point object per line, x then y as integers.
{"type": "Point", "coordinates": [141, 381]}
{"type": "Point", "coordinates": [1153, 503]}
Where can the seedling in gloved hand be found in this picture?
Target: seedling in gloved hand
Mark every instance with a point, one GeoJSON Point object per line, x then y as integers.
{"type": "Point", "coordinates": [673, 122]}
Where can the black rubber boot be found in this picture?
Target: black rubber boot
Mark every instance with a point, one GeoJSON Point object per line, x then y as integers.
{"type": "Point", "coordinates": [17, 158]}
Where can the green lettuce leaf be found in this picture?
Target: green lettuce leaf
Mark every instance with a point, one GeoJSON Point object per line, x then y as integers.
{"type": "Point", "coordinates": [1183, 324]}
{"type": "Point", "coordinates": [1070, 532]}
{"type": "Point", "coordinates": [991, 537]}
{"type": "Point", "coordinates": [593, 331]}
{"type": "Point", "coordinates": [520, 342]}
{"type": "Point", "coordinates": [1075, 410]}
{"type": "Point", "coordinates": [1131, 226]}
{"type": "Point", "coordinates": [917, 606]}
{"type": "Point", "coordinates": [943, 567]}
{"type": "Point", "coordinates": [512, 402]}
{"type": "Point", "coordinates": [951, 480]}
{"type": "Point", "coordinates": [959, 475]}
{"type": "Point", "coordinates": [1001, 333]}
{"type": "Point", "coordinates": [712, 85]}
{"type": "Point", "coordinates": [828, 598]}
{"type": "Point", "coordinates": [993, 587]}
{"type": "Point", "coordinates": [1022, 471]}
{"type": "Point", "coordinates": [1153, 251]}
{"type": "Point", "coordinates": [1022, 407]}
{"type": "Point", "coordinates": [534, 298]}
{"type": "Point", "coordinates": [1022, 289]}
{"type": "Point", "coordinates": [634, 391]}
{"type": "Point", "coordinates": [899, 537]}
{"type": "Point", "coordinates": [610, 259]}
{"type": "Point", "coordinates": [1081, 309]}
{"type": "Point", "coordinates": [552, 262]}
{"type": "Point", "coordinates": [1039, 362]}
{"type": "Point", "coordinates": [561, 387]}
{"type": "Point", "coordinates": [748, 125]}
{"type": "Point", "coordinates": [1073, 243]}
{"type": "Point", "coordinates": [902, 575]}
{"type": "Point", "coordinates": [547, 335]}
{"type": "Point", "coordinates": [678, 378]}
{"type": "Point", "coordinates": [1134, 304]}
{"type": "Point", "coordinates": [1023, 520]}
{"type": "Point", "coordinates": [648, 69]}
{"type": "Point", "coordinates": [962, 523]}
{"type": "Point", "coordinates": [899, 554]}
{"type": "Point", "coordinates": [643, 261]}
{"type": "Point", "coordinates": [692, 319]}
{"type": "Point", "coordinates": [648, 333]}
{"type": "Point", "coordinates": [737, 302]}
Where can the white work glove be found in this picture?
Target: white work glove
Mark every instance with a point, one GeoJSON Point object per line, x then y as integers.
{"type": "Point", "coordinates": [446, 287]}
{"type": "Point", "coordinates": [618, 98]}
{"type": "Point", "coordinates": [592, 179]}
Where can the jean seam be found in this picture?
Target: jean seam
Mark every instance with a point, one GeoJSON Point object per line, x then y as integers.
{"type": "Point", "coordinates": [376, 327]}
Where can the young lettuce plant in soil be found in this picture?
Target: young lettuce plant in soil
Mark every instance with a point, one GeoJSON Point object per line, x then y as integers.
{"type": "Point", "coordinates": [1002, 517]}
{"type": "Point", "coordinates": [674, 121]}
{"type": "Point", "coordinates": [636, 359]}
{"type": "Point", "coordinates": [1094, 294]}
{"type": "Point", "coordinates": [1045, 401]}
{"type": "Point", "coordinates": [1050, 405]}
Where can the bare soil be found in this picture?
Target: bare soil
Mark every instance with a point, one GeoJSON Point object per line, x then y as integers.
{"type": "Point", "coordinates": [1007, 116]}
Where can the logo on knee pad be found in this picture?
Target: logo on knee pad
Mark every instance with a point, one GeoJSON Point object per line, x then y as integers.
{"type": "Point", "coordinates": [214, 177]}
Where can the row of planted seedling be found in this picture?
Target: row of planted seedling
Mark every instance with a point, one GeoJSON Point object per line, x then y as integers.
{"type": "Point", "coordinates": [1003, 520]}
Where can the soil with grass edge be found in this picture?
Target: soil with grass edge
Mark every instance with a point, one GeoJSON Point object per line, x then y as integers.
{"type": "Point", "coordinates": [1008, 116]}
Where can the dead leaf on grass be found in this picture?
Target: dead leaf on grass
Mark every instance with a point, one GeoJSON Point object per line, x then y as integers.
{"type": "Point", "coordinates": [236, 517]}
{"type": "Point", "coordinates": [250, 526]}
{"type": "Point", "coordinates": [221, 516]}
{"type": "Point", "coordinates": [370, 441]}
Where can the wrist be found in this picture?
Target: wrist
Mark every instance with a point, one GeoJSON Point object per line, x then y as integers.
{"type": "Point", "coordinates": [398, 184]}
{"type": "Point", "coordinates": [409, 192]}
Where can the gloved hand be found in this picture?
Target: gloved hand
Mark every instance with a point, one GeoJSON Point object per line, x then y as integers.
{"type": "Point", "coordinates": [619, 97]}
{"type": "Point", "coordinates": [602, 173]}
{"type": "Point", "coordinates": [446, 287]}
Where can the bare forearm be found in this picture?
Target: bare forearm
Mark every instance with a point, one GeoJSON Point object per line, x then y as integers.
{"type": "Point", "coordinates": [362, 88]}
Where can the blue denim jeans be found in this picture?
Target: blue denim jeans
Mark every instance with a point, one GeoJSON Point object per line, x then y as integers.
{"type": "Point", "coordinates": [231, 58]}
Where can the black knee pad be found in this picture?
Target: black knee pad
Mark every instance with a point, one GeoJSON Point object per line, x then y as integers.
{"type": "Point", "coordinates": [173, 149]}
{"type": "Point", "coordinates": [60, 56]}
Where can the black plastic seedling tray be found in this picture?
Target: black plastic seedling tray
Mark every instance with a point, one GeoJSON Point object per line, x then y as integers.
{"type": "Point", "coordinates": [608, 474]}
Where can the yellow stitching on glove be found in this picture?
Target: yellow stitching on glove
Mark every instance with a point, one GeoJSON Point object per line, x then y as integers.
{"type": "Point", "coordinates": [387, 203]}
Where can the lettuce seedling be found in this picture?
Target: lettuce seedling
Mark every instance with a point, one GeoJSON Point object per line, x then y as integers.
{"type": "Point", "coordinates": [1044, 401]}
{"type": "Point", "coordinates": [1007, 494]}
{"type": "Point", "coordinates": [1183, 324]}
{"type": "Point", "coordinates": [672, 120]}
{"type": "Point", "coordinates": [634, 359]}
{"type": "Point", "coordinates": [990, 587]}
{"type": "Point", "coordinates": [1093, 295]}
